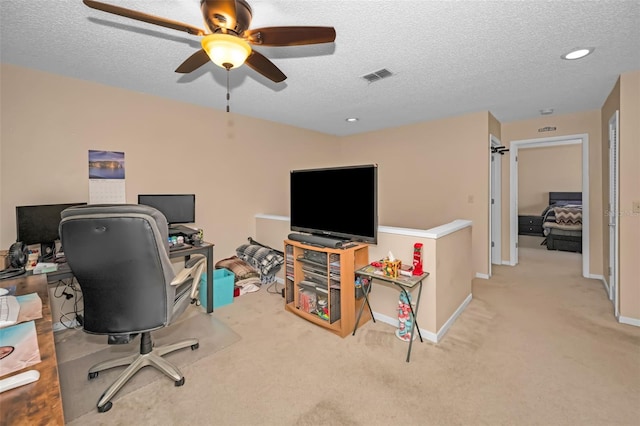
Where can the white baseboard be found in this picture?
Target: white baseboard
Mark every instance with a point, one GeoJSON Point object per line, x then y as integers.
{"type": "Point", "coordinates": [483, 276]}
{"type": "Point", "coordinates": [629, 321]}
{"type": "Point", "coordinates": [387, 320]}
{"type": "Point", "coordinates": [443, 330]}
{"type": "Point", "coordinates": [426, 334]}
{"type": "Point", "coordinates": [605, 284]}
{"type": "Point", "coordinates": [621, 319]}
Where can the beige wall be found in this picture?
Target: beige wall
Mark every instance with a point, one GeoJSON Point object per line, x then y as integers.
{"type": "Point", "coordinates": [569, 124]}
{"type": "Point", "coordinates": [453, 253]}
{"type": "Point", "coordinates": [547, 169]}
{"type": "Point", "coordinates": [432, 173]}
{"type": "Point", "coordinates": [237, 166]}
{"type": "Point", "coordinates": [629, 222]}
{"type": "Point", "coordinates": [495, 128]}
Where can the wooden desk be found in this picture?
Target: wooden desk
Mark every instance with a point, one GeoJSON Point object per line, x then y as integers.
{"type": "Point", "coordinates": [40, 402]}
{"type": "Point", "coordinates": [205, 248]}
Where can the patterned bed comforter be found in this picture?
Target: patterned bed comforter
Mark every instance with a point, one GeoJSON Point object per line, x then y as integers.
{"type": "Point", "coordinates": [567, 217]}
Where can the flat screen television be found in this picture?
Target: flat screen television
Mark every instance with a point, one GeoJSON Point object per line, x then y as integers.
{"type": "Point", "coordinates": [336, 202]}
{"type": "Point", "coordinates": [38, 224]}
{"type": "Point", "coordinates": [177, 208]}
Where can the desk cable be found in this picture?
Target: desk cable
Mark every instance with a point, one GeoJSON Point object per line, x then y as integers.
{"type": "Point", "coordinates": [67, 290]}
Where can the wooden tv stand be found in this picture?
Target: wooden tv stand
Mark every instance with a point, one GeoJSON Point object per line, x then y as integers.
{"type": "Point", "coordinates": [315, 276]}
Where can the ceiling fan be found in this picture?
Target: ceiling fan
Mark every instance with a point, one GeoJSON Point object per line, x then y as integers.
{"type": "Point", "coordinates": [228, 39]}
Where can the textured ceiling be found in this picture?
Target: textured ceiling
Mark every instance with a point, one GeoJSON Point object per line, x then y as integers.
{"type": "Point", "coordinates": [447, 57]}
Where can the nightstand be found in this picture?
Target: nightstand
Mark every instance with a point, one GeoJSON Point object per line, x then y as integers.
{"type": "Point", "coordinates": [530, 225]}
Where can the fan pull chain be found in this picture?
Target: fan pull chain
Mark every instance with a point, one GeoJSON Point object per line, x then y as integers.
{"type": "Point", "coordinates": [228, 67]}
{"type": "Point", "coordinates": [228, 97]}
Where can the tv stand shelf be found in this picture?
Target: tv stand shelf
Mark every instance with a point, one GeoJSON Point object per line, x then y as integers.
{"type": "Point", "coordinates": [320, 284]}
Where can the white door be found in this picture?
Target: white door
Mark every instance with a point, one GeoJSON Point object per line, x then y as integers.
{"type": "Point", "coordinates": [613, 211]}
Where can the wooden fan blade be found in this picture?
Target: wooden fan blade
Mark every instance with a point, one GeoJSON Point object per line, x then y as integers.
{"type": "Point", "coordinates": [139, 16]}
{"type": "Point", "coordinates": [193, 62]}
{"type": "Point", "coordinates": [259, 63]}
{"type": "Point", "coordinates": [290, 36]}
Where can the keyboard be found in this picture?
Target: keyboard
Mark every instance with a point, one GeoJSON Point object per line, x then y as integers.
{"type": "Point", "coordinates": [9, 310]}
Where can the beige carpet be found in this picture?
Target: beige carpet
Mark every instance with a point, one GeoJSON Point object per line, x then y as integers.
{"type": "Point", "coordinates": [530, 241]}
{"type": "Point", "coordinates": [537, 345]}
{"type": "Point", "coordinates": [77, 351]}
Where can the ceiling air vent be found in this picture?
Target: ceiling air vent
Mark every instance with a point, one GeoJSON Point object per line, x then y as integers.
{"type": "Point", "coordinates": [377, 75]}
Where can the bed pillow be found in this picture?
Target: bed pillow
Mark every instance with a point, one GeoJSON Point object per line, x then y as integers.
{"type": "Point", "coordinates": [266, 260]}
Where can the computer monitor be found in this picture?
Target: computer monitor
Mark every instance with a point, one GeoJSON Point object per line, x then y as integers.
{"type": "Point", "coordinates": [177, 208]}
{"type": "Point", "coordinates": [38, 224]}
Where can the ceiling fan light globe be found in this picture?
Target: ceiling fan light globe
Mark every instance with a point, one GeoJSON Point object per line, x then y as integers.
{"type": "Point", "coordinates": [225, 49]}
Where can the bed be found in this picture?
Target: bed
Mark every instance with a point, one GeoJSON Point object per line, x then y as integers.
{"type": "Point", "coordinates": [562, 222]}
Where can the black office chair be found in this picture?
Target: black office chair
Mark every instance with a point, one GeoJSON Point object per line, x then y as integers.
{"type": "Point", "coordinates": [119, 256]}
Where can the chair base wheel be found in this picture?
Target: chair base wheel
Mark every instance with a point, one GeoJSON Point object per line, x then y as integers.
{"type": "Point", "coordinates": [93, 375]}
{"type": "Point", "coordinates": [106, 407]}
{"type": "Point", "coordinates": [194, 347]}
{"type": "Point", "coordinates": [180, 382]}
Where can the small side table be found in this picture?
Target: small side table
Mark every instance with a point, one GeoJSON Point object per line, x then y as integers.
{"type": "Point", "coordinates": [403, 283]}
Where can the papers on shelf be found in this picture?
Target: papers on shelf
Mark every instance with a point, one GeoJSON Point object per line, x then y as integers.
{"type": "Point", "coordinates": [370, 269]}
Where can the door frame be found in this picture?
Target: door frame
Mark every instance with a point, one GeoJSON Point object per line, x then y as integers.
{"type": "Point", "coordinates": [495, 204]}
{"type": "Point", "coordinates": [613, 211]}
{"type": "Point", "coordinates": [582, 139]}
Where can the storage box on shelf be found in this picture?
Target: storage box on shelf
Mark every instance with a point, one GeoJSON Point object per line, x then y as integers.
{"type": "Point", "coordinates": [320, 284]}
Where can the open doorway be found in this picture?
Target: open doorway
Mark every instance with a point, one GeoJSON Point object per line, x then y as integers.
{"type": "Point", "coordinates": [515, 146]}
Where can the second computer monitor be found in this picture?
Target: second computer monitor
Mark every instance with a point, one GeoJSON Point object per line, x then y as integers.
{"type": "Point", "coordinates": [177, 208]}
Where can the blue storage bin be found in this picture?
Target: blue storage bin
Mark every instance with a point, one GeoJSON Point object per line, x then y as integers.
{"type": "Point", "coordinates": [223, 280]}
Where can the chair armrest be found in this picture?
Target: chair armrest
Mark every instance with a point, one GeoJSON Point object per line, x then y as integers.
{"type": "Point", "coordinates": [193, 268]}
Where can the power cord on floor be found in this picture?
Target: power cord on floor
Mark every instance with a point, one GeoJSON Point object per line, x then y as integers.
{"type": "Point", "coordinates": [70, 319]}
{"type": "Point", "coordinates": [273, 288]}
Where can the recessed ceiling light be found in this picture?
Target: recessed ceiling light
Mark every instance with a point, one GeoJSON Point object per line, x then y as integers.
{"type": "Point", "coordinates": [578, 53]}
{"type": "Point", "coordinates": [351, 119]}
{"type": "Point", "coordinates": [546, 111]}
